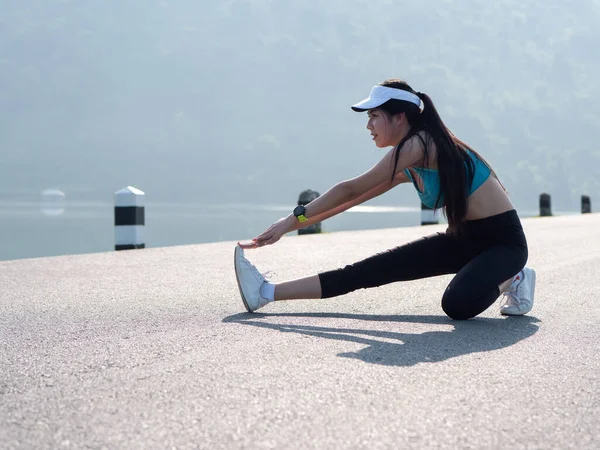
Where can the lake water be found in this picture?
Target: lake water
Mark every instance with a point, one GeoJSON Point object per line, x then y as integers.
{"type": "Point", "coordinates": [27, 231]}
{"type": "Point", "coordinates": [87, 227]}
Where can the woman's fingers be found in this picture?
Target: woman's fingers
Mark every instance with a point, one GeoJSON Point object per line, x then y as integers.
{"type": "Point", "coordinates": [256, 242]}
{"type": "Point", "coordinates": [264, 236]}
{"type": "Point", "coordinates": [267, 237]}
{"type": "Point", "coordinates": [273, 239]}
{"type": "Point", "coordinates": [259, 242]}
{"type": "Point", "coordinates": [248, 245]}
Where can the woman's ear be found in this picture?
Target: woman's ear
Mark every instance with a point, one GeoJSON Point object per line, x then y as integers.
{"type": "Point", "coordinates": [400, 118]}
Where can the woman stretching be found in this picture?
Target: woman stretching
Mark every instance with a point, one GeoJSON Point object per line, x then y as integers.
{"type": "Point", "coordinates": [484, 244]}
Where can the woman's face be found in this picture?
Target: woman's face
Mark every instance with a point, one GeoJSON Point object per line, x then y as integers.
{"type": "Point", "coordinates": [385, 130]}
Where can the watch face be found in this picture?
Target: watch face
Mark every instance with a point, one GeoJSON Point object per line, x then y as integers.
{"type": "Point", "coordinates": [299, 210]}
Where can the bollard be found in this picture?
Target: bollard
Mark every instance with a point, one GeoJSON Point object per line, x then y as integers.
{"type": "Point", "coordinates": [129, 218]}
{"type": "Point", "coordinates": [428, 216]}
{"type": "Point", "coordinates": [545, 205]}
{"type": "Point", "coordinates": [304, 199]}
{"type": "Point", "coordinates": [586, 204]}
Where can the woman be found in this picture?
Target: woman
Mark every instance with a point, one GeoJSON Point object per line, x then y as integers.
{"type": "Point", "coordinates": [484, 244]}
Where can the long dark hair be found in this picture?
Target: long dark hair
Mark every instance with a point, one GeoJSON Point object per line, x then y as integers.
{"type": "Point", "coordinates": [452, 156]}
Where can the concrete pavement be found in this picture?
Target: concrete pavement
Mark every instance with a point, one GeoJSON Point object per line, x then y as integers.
{"type": "Point", "coordinates": [152, 349]}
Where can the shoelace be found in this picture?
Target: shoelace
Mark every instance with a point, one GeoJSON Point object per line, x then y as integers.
{"type": "Point", "coordinates": [265, 276]}
{"type": "Point", "coordinates": [268, 275]}
{"type": "Point", "coordinates": [511, 295]}
{"type": "Point", "coordinates": [510, 298]}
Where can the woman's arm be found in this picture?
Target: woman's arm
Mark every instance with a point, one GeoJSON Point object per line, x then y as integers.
{"type": "Point", "coordinates": [374, 192]}
{"type": "Point", "coordinates": [369, 183]}
{"type": "Point", "coordinates": [347, 193]}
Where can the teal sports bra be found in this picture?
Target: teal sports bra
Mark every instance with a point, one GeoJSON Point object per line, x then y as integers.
{"type": "Point", "coordinates": [431, 181]}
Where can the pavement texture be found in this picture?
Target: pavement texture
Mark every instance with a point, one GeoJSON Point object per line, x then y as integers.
{"type": "Point", "coordinates": [153, 349]}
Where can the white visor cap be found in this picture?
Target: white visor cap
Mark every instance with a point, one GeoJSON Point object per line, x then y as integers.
{"type": "Point", "coordinates": [381, 94]}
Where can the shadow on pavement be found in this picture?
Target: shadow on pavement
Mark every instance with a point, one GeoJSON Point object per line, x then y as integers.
{"type": "Point", "coordinates": [471, 336]}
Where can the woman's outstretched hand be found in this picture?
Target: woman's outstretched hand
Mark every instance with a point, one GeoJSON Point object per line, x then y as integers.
{"type": "Point", "coordinates": [272, 234]}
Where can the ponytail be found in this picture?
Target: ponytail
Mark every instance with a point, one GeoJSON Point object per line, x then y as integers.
{"type": "Point", "coordinates": [452, 156]}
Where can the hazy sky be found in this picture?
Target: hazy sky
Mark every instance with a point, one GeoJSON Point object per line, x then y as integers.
{"type": "Point", "coordinates": [248, 101]}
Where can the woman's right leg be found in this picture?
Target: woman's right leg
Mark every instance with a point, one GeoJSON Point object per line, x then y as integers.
{"type": "Point", "coordinates": [301, 288]}
{"type": "Point", "coordinates": [433, 255]}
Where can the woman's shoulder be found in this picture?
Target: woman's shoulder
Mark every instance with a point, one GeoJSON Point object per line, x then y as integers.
{"type": "Point", "coordinates": [422, 143]}
{"type": "Point", "coordinates": [418, 141]}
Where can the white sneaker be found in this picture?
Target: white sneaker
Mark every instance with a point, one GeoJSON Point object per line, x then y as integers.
{"type": "Point", "coordinates": [249, 281]}
{"type": "Point", "coordinates": [518, 299]}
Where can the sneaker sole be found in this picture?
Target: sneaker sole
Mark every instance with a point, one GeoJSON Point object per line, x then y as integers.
{"type": "Point", "coordinates": [237, 251]}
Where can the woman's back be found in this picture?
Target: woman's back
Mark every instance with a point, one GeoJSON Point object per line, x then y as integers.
{"type": "Point", "coordinates": [490, 199]}
{"type": "Point", "coordinates": [486, 196]}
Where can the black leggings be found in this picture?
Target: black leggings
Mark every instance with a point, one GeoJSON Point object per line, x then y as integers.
{"type": "Point", "coordinates": [487, 253]}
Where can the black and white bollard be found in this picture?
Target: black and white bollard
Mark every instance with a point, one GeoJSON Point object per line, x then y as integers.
{"type": "Point", "coordinates": [545, 205]}
{"type": "Point", "coordinates": [428, 216]}
{"type": "Point", "coordinates": [304, 199]}
{"type": "Point", "coordinates": [586, 204]}
{"type": "Point", "coordinates": [129, 218]}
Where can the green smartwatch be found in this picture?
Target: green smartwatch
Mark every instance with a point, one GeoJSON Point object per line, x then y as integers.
{"type": "Point", "coordinates": [299, 212]}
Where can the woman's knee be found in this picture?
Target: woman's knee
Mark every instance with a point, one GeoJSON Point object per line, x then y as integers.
{"type": "Point", "coordinates": [456, 311]}
{"type": "Point", "coordinates": [459, 304]}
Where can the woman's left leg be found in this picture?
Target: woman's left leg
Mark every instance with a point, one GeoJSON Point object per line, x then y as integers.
{"type": "Point", "coordinates": [433, 255]}
{"type": "Point", "coordinates": [476, 286]}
